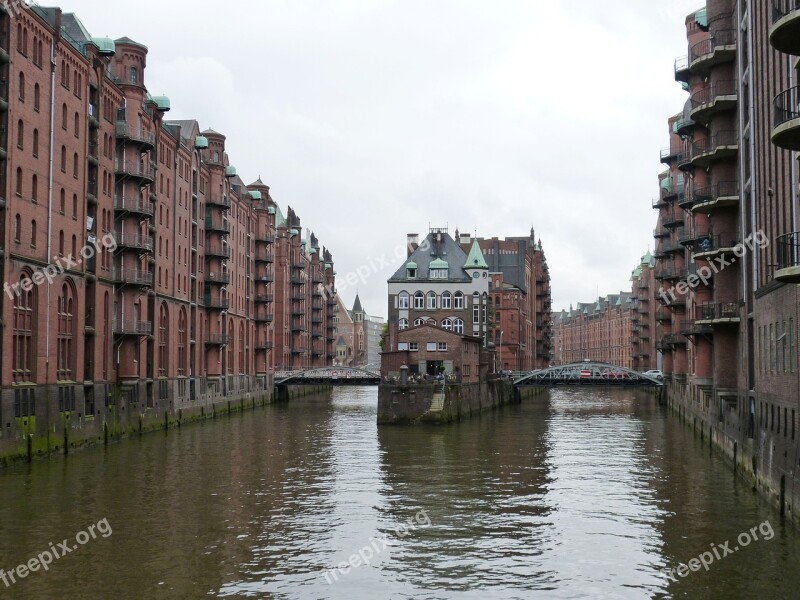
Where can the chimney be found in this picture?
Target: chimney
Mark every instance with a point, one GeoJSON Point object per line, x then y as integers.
{"type": "Point", "coordinates": [413, 242]}
{"type": "Point", "coordinates": [465, 238]}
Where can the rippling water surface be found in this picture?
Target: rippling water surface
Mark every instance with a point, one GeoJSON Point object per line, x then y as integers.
{"type": "Point", "coordinates": [576, 494]}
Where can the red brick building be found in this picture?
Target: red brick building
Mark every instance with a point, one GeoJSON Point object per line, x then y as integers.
{"type": "Point", "coordinates": [728, 255]}
{"type": "Point", "coordinates": [430, 350]}
{"type": "Point", "coordinates": [169, 281]}
{"type": "Point", "coordinates": [599, 331]}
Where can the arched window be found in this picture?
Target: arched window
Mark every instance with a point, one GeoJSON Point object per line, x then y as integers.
{"type": "Point", "coordinates": [403, 300]}
{"type": "Point", "coordinates": [446, 300]}
{"type": "Point", "coordinates": [36, 143]}
{"type": "Point", "coordinates": [431, 300]}
{"type": "Point", "coordinates": [418, 322]}
{"type": "Point", "coordinates": [402, 324]}
{"type": "Point", "coordinates": [458, 326]}
{"type": "Point", "coordinates": [20, 134]}
{"type": "Point", "coordinates": [105, 336]}
{"type": "Point", "coordinates": [447, 324]}
{"type": "Point", "coordinates": [64, 116]}
{"type": "Point", "coordinates": [163, 340]}
{"type": "Point", "coordinates": [25, 42]}
{"type": "Point", "coordinates": [66, 333]}
{"type": "Point", "coordinates": [19, 37]}
{"type": "Point", "coordinates": [33, 233]}
{"type": "Point", "coordinates": [63, 159]}
{"type": "Point", "coordinates": [18, 182]}
{"type": "Point", "coordinates": [458, 301]}
{"type": "Point", "coordinates": [36, 97]}
{"type": "Point", "coordinates": [23, 352]}
{"type": "Point", "coordinates": [419, 300]}
{"type": "Point", "coordinates": [182, 342]}
{"type": "Point", "coordinates": [241, 349]}
{"type": "Point", "coordinates": [17, 227]}
{"type": "Point", "coordinates": [133, 75]}
{"type": "Point", "coordinates": [21, 86]}
{"type": "Point", "coordinates": [74, 206]}
{"type": "Point", "coordinates": [74, 252]}
{"type": "Point", "coordinates": [61, 242]}
{"type": "Point", "coordinates": [231, 345]}
{"type": "Point", "coordinates": [75, 165]}
{"type": "Point", "coordinates": [77, 125]}
{"type": "Point", "coordinates": [34, 188]}
{"type": "Point", "coordinates": [62, 201]}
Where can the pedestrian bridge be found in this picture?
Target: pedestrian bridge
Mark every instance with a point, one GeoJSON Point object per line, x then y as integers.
{"type": "Point", "coordinates": [586, 373]}
{"type": "Point", "coordinates": [330, 375]}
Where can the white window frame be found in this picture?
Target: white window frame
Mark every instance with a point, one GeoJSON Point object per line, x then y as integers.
{"type": "Point", "coordinates": [458, 301]}
{"type": "Point", "coordinates": [447, 300]}
{"type": "Point", "coordinates": [431, 301]}
{"type": "Point", "coordinates": [403, 300]}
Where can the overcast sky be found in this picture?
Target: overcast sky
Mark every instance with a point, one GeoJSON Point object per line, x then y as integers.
{"type": "Point", "coordinates": [376, 119]}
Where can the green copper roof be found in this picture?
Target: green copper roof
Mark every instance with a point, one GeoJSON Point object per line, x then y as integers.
{"type": "Point", "coordinates": [255, 194]}
{"type": "Point", "coordinates": [701, 18]}
{"type": "Point", "coordinates": [411, 265]}
{"type": "Point", "coordinates": [312, 251]}
{"type": "Point", "coordinates": [439, 264]}
{"type": "Point", "coordinates": [475, 258]}
{"type": "Point", "coordinates": [293, 232]}
{"type": "Point", "coordinates": [646, 259]}
{"type": "Point", "coordinates": [271, 210]}
{"type": "Point", "coordinates": [280, 220]}
{"type": "Point", "coordinates": [619, 302]}
{"type": "Point", "coordinates": [201, 142]}
{"type": "Point", "coordinates": [230, 171]}
{"type": "Point", "coordinates": [105, 45]}
{"type": "Point", "coordinates": [161, 102]}
{"type": "Point", "coordinates": [666, 183]}
{"type": "Point", "coordinates": [327, 266]}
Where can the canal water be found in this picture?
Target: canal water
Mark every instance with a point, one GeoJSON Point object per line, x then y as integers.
{"type": "Point", "coordinates": [576, 494]}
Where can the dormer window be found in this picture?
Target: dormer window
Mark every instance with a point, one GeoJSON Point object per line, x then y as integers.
{"type": "Point", "coordinates": [411, 270]}
{"type": "Point", "coordinates": [439, 269]}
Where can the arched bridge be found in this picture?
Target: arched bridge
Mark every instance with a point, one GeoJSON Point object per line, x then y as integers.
{"type": "Point", "coordinates": [586, 373]}
{"type": "Point", "coordinates": [330, 375]}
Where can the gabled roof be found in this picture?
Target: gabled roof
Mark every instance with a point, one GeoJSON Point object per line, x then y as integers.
{"type": "Point", "coordinates": [357, 305]}
{"type": "Point", "coordinates": [428, 252]}
{"type": "Point", "coordinates": [475, 259]}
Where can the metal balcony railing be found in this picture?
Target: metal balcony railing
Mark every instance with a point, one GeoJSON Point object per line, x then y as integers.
{"type": "Point", "coordinates": [787, 248]}
{"type": "Point", "coordinates": [134, 204]}
{"type": "Point", "coordinates": [131, 327]}
{"type": "Point", "coordinates": [707, 47]}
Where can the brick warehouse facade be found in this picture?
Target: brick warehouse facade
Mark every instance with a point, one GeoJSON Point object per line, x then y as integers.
{"type": "Point", "coordinates": [727, 249]}
{"type": "Point", "coordinates": [199, 286]}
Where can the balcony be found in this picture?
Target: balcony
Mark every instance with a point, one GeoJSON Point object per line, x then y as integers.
{"type": "Point", "coordinates": [265, 238]}
{"type": "Point", "coordinates": [712, 198]}
{"type": "Point", "coordinates": [674, 339]}
{"type": "Point", "coordinates": [146, 174]}
{"type": "Point", "coordinates": [710, 246]}
{"type": "Point", "coordinates": [720, 313]}
{"type": "Point", "coordinates": [217, 251]}
{"type": "Point", "coordinates": [668, 155]}
{"type": "Point", "coordinates": [786, 132]}
{"type": "Point", "coordinates": [716, 97]}
{"type": "Point", "coordinates": [784, 35]}
{"type": "Point", "coordinates": [131, 327]}
{"type": "Point", "coordinates": [687, 237]}
{"type": "Point", "coordinates": [682, 69]}
{"type": "Point", "coordinates": [660, 232]}
{"type": "Point", "coordinates": [720, 146]}
{"type": "Point", "coordinates": [217, 224]}
{"type": "Point", "coordinates": [261, 346]}
{"type": "Point", "coordinates": [94, 116]}
{"type": "Point", "coordinates": [135, 241]}
{"type": "Point", "coordinates": [298, 264]}
{"type": "Point", "coordinates": [265, 278]}
{"type": "Point", "coordinates": [134, 204]}
{"type": "Point", "coordinates": [264, 298]}
{"type": "Point", "coordinates": [222, 278]}
{"type": "Point", "coordinates": [299, 350]}
{"type": "Point", "coordinates": [663, 315]}
{"type": "Point", "coordinates": [262, 317]}
{"type": "Point", "coordinates": [216, 339]}
{"type": "Point", "coordinates": [135, 134]}
{"type": "Point", "coordinates": [690, 327]}
{"type": "Point", "coordinates": [133, 277]}
{"type": "Point", "coordinates": [220, 201]}
{"type": "Point", "coordinates": [264, 257]}
{"type": "Point", "coordinates": [684, 126]}
{"type": "Point", "coordinates": [787, 248]}
{"type": "Point", "coordinates": [673, 218]}
{"type": "Point", "coordinates": [715, 50]}
{"type": "Point", "coordinates": [215, 302]}
{"type": "Point", "coordinates": [684, 161]}
{"type": "Point", "coordinates": [297, 326]}
{"type": "Point", "coordinates": [92, 154]}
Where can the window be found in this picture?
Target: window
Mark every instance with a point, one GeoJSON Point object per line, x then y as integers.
{"type": "Point", "coordinates": [402, 324]}
{"type": "Point", "coordinates": [447, 324]}
{"type": "Point", "coordinates": [458, 301]}
{"type": "Point", "coordinates": [23, 344]}
{"type": "Point", "coordinates": [18, 182]}
{"type": "Point", "coordinates": [22, 87]}
{"type": "Point", "coordinates": [419, 300]}
{"type": "Point", "coordinates": [182, 343]}
{"type": "Point", "coordinates": [36, 97]}
{"type": "Point", "coordinates": [61, 201]}
{"type": "Point", "coordinates": [446, 300]}
{"type": "Point", "coordinates": [411, 272]}
{"type": "Point", "coordinates": [413, 346]}
{"type": "Point", "coordinates": [33, 233]}
{"type": "Point", "coordinates": [431, 300]}
{"type": "Point", "coordinates": [458, 326]}
{"type": "Point", "coordinates": [20, 134]}
{"type": "Point", "coordinates": [442, 346]}
{"type": "Point", "coordinates": [74, 206]}
{"type": "Point", "coordinates": [438, 273]}
{"type": "Point", "coordinates": [403, 300]}
{"type": "Point", "coordinates": [133, 75]}
{"type": "Point", "coordinates": [430, 346]}
{"type": "Point", "coordinates": [421, 321]}
{"type": "Point", "coordinates": [163, 340]}
{"type": "Point", "coordinates": [63, 159]}
{"type": "Point", "coordinates": [17, 227]}
{"type": "Point", "coordinates": [36, 142]}
{"type": "Point", "coordinates": [402, 345]}
{"type": "Point", "coordinates": [64, 116]}
{"type": "Point", "coordinates": [77, 125]}
{"type": "Point", "coordinates": [61, 242]}
{"type": "Point", "coordinates": [66, 334]}
{"type": "Point", "coordinates": [75, 165]}
{"type": "Point", "coordinates": [34, 188]}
